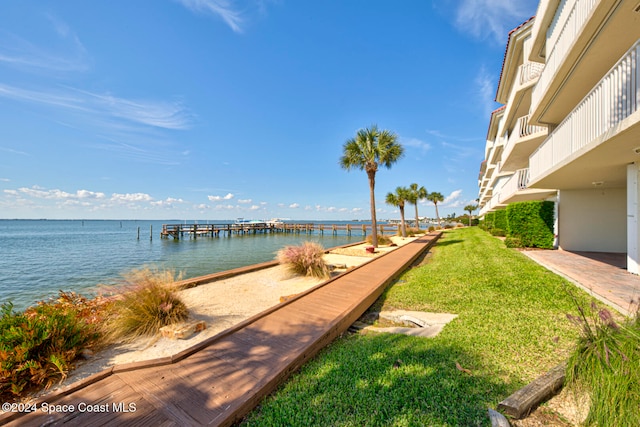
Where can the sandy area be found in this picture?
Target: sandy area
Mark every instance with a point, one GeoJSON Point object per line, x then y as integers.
{"type": "Point", "coordinates": [222, 304]}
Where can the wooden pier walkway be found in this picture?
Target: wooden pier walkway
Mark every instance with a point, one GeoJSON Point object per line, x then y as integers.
{"type": "Point", "coordinates": [220, 380]}
{"type": "Point", "coordinates": [179, 231]}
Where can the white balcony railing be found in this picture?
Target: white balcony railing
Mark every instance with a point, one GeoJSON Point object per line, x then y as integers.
{"type": "Point", "coordinates": [519, 181]}
{"type": "Point", "coordinates": [613, 99]}
{"type": "Point", "coordinates": [572, 27]}
{"type": "Point", "coordinates": [529, 71]}
{"type": "Point", "coordinates": [522, 130]}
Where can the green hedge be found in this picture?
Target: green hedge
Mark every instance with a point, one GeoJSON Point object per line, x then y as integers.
{"type": "Point", "coordinates": [488, 220]}
{"type": "Point", "coordinates": [531, 223]}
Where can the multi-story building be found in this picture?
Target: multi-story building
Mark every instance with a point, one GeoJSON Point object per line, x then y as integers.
{"type": "Point", "coordinates": [569, 130]}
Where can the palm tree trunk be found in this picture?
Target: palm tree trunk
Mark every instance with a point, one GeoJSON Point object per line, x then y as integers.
{"type": "Point", "coordinates": [417, 220]}
{"type": "Point", "coordinates": [437, 214]}
{"type": "Point", "coordinates": [403, 227]}
{"type": "Point", "coordinates": [372, 198]}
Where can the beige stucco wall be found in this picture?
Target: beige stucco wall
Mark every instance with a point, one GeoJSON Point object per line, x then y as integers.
{"type": "Point", "coordinates": [593, 220]}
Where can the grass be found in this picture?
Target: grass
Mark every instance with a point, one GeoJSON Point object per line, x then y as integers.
{"type": "Point", "coordinates": [604, 365]}
{"type": "Point", "coordinates": [304, 260]}
{"type": "Point", "coordinates": [511, 328]}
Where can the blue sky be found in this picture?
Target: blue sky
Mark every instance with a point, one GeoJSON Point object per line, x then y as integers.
{"type": "Point", "coordinates": [218, 109]}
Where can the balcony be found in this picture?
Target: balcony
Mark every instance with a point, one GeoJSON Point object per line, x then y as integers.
{"type": "Point", "coordinates": [529, 72]}
{"type": "Point", "coordinates": [524, 139]}
{"type": "Point", "coordinates": [598, 136]}
{"type": "Point", "coordinates": [516, 189]}
{"type": "Point", "coordinates": [560, 38]}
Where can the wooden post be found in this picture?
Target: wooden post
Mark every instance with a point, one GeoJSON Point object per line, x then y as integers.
{"type": "Point", "coordinates": [364, 230]}
{"type": "Point", "coordinates": [138, 233]}
{"type": "Point", "coordinates": [150, 231]}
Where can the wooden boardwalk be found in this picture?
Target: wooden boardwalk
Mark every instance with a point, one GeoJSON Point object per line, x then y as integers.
{"type": "Point", "coordinates": [220, 380]}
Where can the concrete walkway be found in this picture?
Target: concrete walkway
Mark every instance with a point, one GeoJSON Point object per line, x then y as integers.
{"type": "Point", "coordinates": [602, 275]}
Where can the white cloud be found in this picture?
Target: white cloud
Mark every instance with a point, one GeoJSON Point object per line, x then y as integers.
{"type": "Point", "coordinates": [244, 201]}
{"type": "Point", "coordinates": [57, 194]}
{"type": "Point", "coordinates": [294, 205]}
{"type": "Point", "coordinates": [168, 202]}
{"type": "Point", "coordinates": [71, 56]}
{"type": "Point", "coordinates": [12, 151]}
{"type": "Point", "coordinates": [221, 8]}
{"type": "Point", "coordinates": [229, 196]}
{"type": "Point", "coordinates": [416, 143]}
{"type": "Point", "coordinates": [159, 114]}
{"type": "Point", "coordinates": [224, 207]}
{"type": "Point", "coordinates": [452, 197]}
{"type": "Point", "coordinates": [492, 18]}
{"type": "Point", "coordinates": [485, 88]}
{"type": "Point", "coordinates": [255, 208]}
{"type": "Point", "coordinates": [131, 197]}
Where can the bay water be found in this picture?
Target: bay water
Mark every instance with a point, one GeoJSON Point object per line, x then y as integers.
{"type": "Point", "coordinates": [40, 257]}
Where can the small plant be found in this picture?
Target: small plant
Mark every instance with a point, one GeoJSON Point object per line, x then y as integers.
{"type": "Point", "coordinates": [431, 228]}
{"type": "Point", "coordinates": [147, 302]}
{"type": "Point", "coordinates": [498, 232]}
{"type": "Point", "coordinates": [382, 240]}
{"type": "Point", "coordinates": [305, 259]}
{"type": "Point", "coordinates": [605, 365]}
{"type": "Point", "coordinates": [412, 231]}
{"type": "Point", "coordinates": [512, 242]}
{"type": "Point", "coordinates": [38, 345]}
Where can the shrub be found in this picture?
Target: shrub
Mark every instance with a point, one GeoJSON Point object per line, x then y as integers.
{"type": "Point", "coordinates": [532, 223]}
{"type": "Point", "coordinates": [38, 345]}
{"type": "Point", "coordinates": [146, 303]}
{"type": "Point", "coordinates": [489, 220]}
{"type": "Point", "coordinates": [498, 232]}
{"type": "Point", "coordinates": [431, 228]}
{"type": "Point", "coordinates": [500, 219]}
{"type": "Point", "coordinates": [512, 242]}
{"type": "Point", "coordinates": [382, 239]}
{"type": "Point", "coordinates": [413, 231]}
{"type": "Point", "coordinates": [605, 364]}
{"type": "Point", "coordinates": [305, 260]}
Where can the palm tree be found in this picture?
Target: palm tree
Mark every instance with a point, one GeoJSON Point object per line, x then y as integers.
{"type": "Point", "coordinates": [399, 198]}
{"type": "Point", "coordinates": [368, 150]}
{"type": "Point", "coordinates": [415, 195]}
{"type": "Point", "coordinates": [470, 209]}
{"type": "Point", "coordinates": [435, 198]}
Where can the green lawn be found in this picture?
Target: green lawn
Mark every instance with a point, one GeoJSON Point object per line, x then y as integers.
{"type": "Point", "coordinates": [511, 327]}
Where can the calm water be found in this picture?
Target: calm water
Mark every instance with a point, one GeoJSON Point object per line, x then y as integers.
{"type": "Point", "coordinates": [37, 258]}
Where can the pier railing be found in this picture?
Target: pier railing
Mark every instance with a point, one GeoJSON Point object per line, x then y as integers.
{"type": "Point", "coordinates": [178, 231]}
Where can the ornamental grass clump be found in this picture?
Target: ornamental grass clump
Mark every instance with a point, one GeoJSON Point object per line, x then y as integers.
{"type": "Point", "coordinates": [605, 365]}
{"type": "Point", "coordinates": [305, 260]}
{"type": "Point", "coordinates": [37, 346]}
{"type": "Point", "coordinates": [382, 240]}
{"type": "Point", "coordinates": [147, 303]}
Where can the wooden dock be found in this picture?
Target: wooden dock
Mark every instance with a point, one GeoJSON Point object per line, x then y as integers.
{"type": "Point", "coordinates": [220, 380]}
{"type": "Point", "coordinates": [179, 231]}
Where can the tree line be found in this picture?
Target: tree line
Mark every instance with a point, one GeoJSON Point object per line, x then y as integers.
{"type": "Point", "coordinates": [373, 148]}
